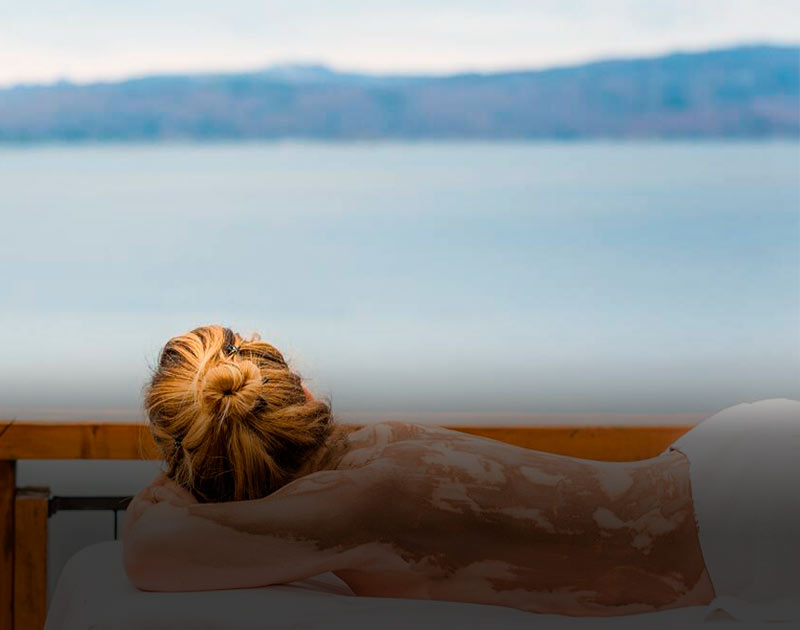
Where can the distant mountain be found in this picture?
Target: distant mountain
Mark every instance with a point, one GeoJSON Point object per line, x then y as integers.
{"type": "Point", "coordinates": [737, 92]}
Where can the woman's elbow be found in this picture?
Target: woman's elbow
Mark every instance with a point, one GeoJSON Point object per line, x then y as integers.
{"type": "Point", "coordinates": [147, 558]}
{"type": "Point", "coordinates": [143, 560]}
{"type": "Point", "coordinates": [141, 575]}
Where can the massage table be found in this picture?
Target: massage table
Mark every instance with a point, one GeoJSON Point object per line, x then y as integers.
{"type": "Point", "coordinates": [94, 592]}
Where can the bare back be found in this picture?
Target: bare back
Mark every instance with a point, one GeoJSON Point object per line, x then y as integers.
{"type": "Point", "coordinates": [446, 515]}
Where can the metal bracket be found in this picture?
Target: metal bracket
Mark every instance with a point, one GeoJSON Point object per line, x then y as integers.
{"type": "Point", "coordinates": [113, 504]}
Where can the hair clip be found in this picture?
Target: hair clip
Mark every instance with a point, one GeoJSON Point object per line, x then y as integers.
{"type": "Point", "coordinates": [231, 349]}
{"type": "Point", "coordinates": [176, 443]}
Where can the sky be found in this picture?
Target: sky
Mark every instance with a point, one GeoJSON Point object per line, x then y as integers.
{"type": "Point", "coordinates": [88, 40]}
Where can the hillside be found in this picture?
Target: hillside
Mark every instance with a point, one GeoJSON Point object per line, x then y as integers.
{"type": "Point", "coordinates": [737, 92]}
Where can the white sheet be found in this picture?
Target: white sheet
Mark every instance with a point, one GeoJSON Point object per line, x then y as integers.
{"type": "Point", "coordinates": [94, 592]}
{"type": "Point", "coordinates": [745, 469]}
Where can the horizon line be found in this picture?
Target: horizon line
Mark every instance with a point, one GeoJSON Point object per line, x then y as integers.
{"type": "Point", "coordinates": [399, 74]}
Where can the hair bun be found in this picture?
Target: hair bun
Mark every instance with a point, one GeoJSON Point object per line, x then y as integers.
{"type": "Point", "coordinates": [231, 389]}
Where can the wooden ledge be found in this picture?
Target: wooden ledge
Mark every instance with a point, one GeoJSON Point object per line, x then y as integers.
{"type": "Point", "coordinates": [132, 441]}
{"type": "Point", "coordinates": [76, 440]}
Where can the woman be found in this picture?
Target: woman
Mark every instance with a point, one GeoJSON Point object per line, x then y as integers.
{"type": "Point", "coordinates": [262, 487]}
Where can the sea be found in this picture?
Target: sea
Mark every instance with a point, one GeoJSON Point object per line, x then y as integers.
{"type": "Point", "coordinates": [408, 277]}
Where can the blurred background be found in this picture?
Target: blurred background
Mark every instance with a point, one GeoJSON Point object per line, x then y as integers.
{"type": "Point", "coordinates": [442, 207]}
{"type": "Point", "coordinates": [450, 210]}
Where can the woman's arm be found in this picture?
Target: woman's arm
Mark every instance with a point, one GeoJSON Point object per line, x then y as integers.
{"type": "Point", "coordinates": [173, 543]}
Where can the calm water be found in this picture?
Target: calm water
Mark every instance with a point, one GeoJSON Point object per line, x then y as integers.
{"type": "Point", "coordinates": [409, 277]}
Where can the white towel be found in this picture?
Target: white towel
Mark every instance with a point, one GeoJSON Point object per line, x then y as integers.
{"type": "Point", "coordinates": [744, 465]}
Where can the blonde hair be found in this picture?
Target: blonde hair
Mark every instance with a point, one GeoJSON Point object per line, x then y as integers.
{"type": "Point", "coordinates": [233, 422]}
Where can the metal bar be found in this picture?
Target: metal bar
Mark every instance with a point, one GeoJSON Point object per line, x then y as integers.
{"type": "Point", "coordinates": [58, 504]}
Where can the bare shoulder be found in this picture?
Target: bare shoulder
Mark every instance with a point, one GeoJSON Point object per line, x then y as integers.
{"type": "Point", "coordinates": [383, 441]}
{"type": "Point", "coordinates": [394, 431]}
{"type": "Point", "coordinates": [407, 453]}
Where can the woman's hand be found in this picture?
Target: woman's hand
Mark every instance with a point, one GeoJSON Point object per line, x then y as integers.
{"type": "Point", "coordinates": [161, 490]}
{"type": "Point", "coordinates": [165, 489]}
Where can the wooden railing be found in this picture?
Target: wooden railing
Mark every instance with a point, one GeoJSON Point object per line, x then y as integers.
{"type": "Point", "coordinates": [24, 512]}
